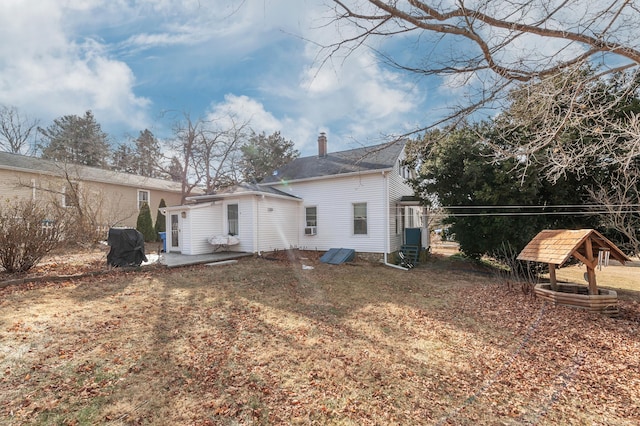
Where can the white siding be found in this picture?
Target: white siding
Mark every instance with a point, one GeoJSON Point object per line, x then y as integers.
{"type": "Point", "coordinates": [246, 216]}
{"type": "Point", "coordinates": [397, 188]}
{"type": "Point", "coordinates": [334, 198]}
{"type": "Point", "coordinates": [197, 227]}
{"type": "Point", "coordinates": [204, 224]}
{"type": "Point", "coordinates": [277, 224]}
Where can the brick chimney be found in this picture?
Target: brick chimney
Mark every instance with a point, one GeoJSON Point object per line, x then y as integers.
{"type": "Point", "coordinates": [322, 145]}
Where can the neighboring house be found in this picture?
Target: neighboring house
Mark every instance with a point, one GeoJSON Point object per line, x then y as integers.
{"type": "Point", "coordinates": [356, 199]}
{"type": "Point", "coordinates": [113, 198]}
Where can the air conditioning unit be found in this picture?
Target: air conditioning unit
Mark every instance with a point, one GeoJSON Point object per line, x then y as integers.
{"type": "Point", "coordinates": [310, 230]}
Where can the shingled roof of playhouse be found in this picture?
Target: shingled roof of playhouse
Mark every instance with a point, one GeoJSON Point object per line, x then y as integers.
{"type": "Point", "coordinates": [556, 246]}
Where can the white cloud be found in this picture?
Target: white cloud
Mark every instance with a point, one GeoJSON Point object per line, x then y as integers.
{"type": "Point", "coordinates": [47, 73]}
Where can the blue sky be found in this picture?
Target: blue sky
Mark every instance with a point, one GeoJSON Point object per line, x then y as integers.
{"type": "Point", "coordinates": [143, 64]}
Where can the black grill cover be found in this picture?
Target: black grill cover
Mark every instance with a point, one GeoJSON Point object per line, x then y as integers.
{"type": "Point", "coordinates": [127, 247]}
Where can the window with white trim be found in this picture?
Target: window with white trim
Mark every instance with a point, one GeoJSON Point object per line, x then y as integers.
{"type": "Point", "coordinates": [232, 219]}
{"type": "Point", "coordinates": [360, 218]}
{"type": "Point", "coordinates": [311, 216]}
{"type": "Point", "coordinates": [310, 220]}
{"type": "Point", "coordinates": [143, 197]}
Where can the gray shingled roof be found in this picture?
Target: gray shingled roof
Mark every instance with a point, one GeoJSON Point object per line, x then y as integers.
{"type": "Point", "coordinates": [359, 160]}
{"type": "Point", "coordinates": [23, 163]}
{"type": "Point", "coordinates": [241, 188]}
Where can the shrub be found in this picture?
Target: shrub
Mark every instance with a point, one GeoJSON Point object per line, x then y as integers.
{"type": "Point", "coordinates": [145, 225]}
{"type": "Point", "coordinates": [27, 233]}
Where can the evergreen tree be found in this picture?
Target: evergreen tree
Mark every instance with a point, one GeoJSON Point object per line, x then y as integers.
{"type": "Point", "coordinates": [161, 225]}
{"type": "Point", "coordinates": [458, 168]}
{"type": "Point", "coordinates": [145, 224]}
{"type": "Point", "coordinates": [123, 160]}
{"type": "Point", "coordinates": [73, 139]}
{"type": "Point", "coordinates": [146, 155]}
{"type": "Point", "coordinates": [264, 154]}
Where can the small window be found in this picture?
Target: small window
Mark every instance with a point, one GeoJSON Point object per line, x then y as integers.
{"type": "Point", "coordinates": [232, 219]}
{"type": "Point", "coordinates": [311, 216]}
{"type": "Point", "coordinates": [360, 218]}
{"type": "Point", "coordinates": [143, 198]}
{"type": "Point", "coordinates": [70, 195]}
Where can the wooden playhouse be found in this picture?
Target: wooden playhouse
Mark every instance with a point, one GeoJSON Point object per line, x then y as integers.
{"type": "Point", "coordinates": [555, 247]}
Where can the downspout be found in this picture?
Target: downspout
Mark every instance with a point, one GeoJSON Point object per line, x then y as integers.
{"type": "Point", "coordinates": [386, 223]}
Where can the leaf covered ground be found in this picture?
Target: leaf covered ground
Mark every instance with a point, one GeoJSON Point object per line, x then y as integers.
{"type": "Point", "coordinates": [265, 341]}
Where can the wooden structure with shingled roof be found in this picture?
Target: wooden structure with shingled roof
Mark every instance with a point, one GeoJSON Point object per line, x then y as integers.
{"type": "Point", "coordinates": [556, 246]}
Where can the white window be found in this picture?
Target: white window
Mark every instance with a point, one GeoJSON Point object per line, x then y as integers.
{"type": "Point", "coordinates": [311, 220]}
{"type": "Point", "coordinates": [143, 198]}
{"type": "Point", "coordinates": [360, 218]}
{"type": "Point", "coordinates": [232, 219]}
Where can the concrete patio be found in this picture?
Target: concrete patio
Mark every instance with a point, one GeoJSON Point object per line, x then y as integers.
{"type": "Point", "coordinates": [173, 260]}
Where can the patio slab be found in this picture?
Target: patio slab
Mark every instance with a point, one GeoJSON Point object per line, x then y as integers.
{"type": "Point", "coordinates": [173, 260]}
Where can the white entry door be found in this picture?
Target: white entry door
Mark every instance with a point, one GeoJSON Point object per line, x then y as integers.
{"type": "Point", "coordinates": [175, 232]}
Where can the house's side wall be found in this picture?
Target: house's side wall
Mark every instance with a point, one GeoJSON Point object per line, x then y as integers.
{"type": "Point", "coordinates": [277, 224]}
{"type": "Point", "coordinates": [334, 199]}
{"type": "Point", "coordinates": [111, 204]}
{"type": "Point", "coordinates": [397, 189]}
{"type": "Point", "coordinates": [246, 222]}
{"type": "Point", "coordinates": [199, 225]}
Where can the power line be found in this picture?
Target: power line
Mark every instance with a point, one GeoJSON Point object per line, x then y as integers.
{"type": "Point", "coordinates": [566, 213]}
{"type": "Point", "coordinates": [548, 206]}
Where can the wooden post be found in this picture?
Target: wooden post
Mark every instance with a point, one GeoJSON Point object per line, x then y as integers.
{"type": "Point", "coordinates": [552, 277]}
{"type": "Point", "coordinates": [591, 270]}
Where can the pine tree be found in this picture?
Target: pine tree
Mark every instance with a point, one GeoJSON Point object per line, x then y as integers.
{"type": "Point", "coordinates": [161, 225]}
{"type": "Point", "coordinates": [145, 224]}
{"type": "Point", "coordinates": [74, 139]}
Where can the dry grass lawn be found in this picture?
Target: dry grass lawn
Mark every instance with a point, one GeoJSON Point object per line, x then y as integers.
{"type": "Point", "coordinates": [267, 342]}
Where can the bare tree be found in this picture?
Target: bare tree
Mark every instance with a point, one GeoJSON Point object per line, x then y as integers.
{"type": "Point", "coordinates": [16, 130]}
{"type": "Point", "coordinates": [491, 47]}
{"type": "Point", "coordinates": [621, 197]}
{"type": "Point", "coordinates": [206, 152]}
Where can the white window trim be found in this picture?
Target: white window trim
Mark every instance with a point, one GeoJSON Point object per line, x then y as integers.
{"type": "Point", "coordinates": [353, 219]}
{"type": "Point", "coordinates": [148, 198]}
{"type": "Point", "coordinates": [306, 224]}
{"type": "Point", "coordinates": [226, 216]}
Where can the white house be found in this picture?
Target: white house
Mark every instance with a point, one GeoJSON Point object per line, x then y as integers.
{"type": "Point", "coordinates": [261, 218]}
{"type": "Point", "coordinates": [356, 199]}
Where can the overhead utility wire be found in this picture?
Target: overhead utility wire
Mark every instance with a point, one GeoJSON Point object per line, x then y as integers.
{"type": "Point", "coordinates": [549, 206]}
{"type": "Point", "coordinates": [586, 213]}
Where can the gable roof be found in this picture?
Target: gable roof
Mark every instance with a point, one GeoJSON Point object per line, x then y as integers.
{"type": "Point", "coordinates": [556, 246]}
{"type": "Point", "coordinates": [359, 160]}
{"type": "Point", "coordinates": [23, 163]}
{"type": "Point", "coordinates": [242, 189]}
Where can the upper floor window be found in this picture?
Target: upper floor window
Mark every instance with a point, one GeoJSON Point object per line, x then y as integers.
{"type": "Point", "coordinates": [360, 218]}
{"type": "Point", "coordinates": [143, 197]}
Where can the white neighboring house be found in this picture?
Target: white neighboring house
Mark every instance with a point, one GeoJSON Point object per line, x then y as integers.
{"type": "Point", "coordinates": [356, 199]}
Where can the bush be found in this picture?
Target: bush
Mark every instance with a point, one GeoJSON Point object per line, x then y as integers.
{"type": "Point", "coordinates": [145, 225]}
{"type": "Point", "coordinates": [27, 233]}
